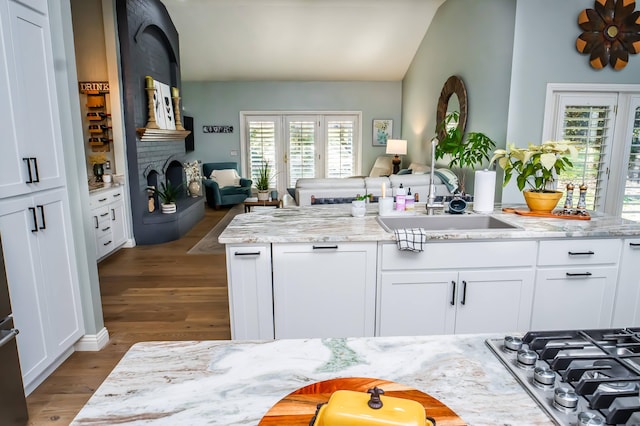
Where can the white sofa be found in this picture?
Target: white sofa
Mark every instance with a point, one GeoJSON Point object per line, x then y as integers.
{"type": "Point", "coordinates": [309, 191]}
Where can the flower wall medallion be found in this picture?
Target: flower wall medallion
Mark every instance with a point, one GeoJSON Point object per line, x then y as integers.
{"type": "Point", "coordinates": [611, 32]}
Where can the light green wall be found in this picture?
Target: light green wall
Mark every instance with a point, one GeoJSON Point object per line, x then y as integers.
{"type": "Point", "coordinates": [545, 52]}
{"type": "Point", "coordinates": [220, 103]}
{"type": "Point", "coordinates": [471, 39]}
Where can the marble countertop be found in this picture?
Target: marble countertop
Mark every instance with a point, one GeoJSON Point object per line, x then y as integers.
{"type": "Point", "coordinates": [334, 223]}
{"type": "Point", "coordinates": [235, 382]}
{"type": "Point", "coordinates": [96, 187]}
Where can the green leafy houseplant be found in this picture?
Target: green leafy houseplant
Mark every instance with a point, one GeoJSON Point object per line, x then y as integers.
{"type": "Point", "coordinates": [464, 153]}
{"type": "Point", "coordinates": [264, 176]}
{"type": "Point", "coordinates": [167, 193]}
{"type": "Point", "coordinates": [537, 165]}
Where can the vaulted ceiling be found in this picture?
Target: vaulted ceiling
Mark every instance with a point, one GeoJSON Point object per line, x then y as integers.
{"type": "Point", "coordinates": [321, 40]}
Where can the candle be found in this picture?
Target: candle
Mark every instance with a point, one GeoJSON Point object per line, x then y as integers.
{"type": "Point", "coordinates": [174, 92]}
{"type": "Point", "coordinates": [149, 82]}
{"type": "Point", "coordinates": [383, 190]}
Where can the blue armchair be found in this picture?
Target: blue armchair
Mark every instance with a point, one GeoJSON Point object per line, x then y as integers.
{"type": "Point", "coordinates": [227, 195]}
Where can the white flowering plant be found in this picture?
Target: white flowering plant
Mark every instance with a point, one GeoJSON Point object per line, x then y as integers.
{"type": "Point", "coordinates": [537, 165]}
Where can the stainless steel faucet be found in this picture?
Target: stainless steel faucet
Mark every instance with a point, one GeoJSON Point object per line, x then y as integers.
{"type": "Point", "coordinates": [431, 200]}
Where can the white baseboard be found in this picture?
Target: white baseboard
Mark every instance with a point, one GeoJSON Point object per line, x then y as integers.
{"type": "Point", "coordinates": [93, 342]}
{"type": "Point", "coordinates": [129, 243]}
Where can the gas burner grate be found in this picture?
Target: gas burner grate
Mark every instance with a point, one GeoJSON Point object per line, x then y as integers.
{"type": "Point", "coordinates": [577, 374]}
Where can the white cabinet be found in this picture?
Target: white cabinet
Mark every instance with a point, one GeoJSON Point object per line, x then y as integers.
{"type": "Point", "coordinates": [250, 291]}
{"type": "Point", "coordinates": [324, 289]}
{"type": "Point", "coordinates": [31, 157]}
{"type": "Point", "coordinates": [575, 284]}
{"type": "Point", "coordinates": [107, 213]}
{"type": "Point", "coordinates": [626, 311]}
{"type": "Point", "coordinates": [473, 287]}
{"type": "Point", "coordinates": [41, 272]}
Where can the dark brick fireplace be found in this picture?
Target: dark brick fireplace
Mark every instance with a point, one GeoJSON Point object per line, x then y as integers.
{"type": "Point", "coordinates": [149, 46]}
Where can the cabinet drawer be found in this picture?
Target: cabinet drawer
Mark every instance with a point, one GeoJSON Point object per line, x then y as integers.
{"type": "Point", "coordinates": [104, 245]}
{"type": "Point", "coordinates": [100, 199]}
{"type": "Point", "coordinates": [480, 254]}
{"type": "Point", "coordinates": [579, 252]}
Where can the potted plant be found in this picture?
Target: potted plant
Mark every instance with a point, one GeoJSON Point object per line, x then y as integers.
{"type": "Point", "coordinates": [167, 194]}
{"type": "Point", "coordinates": [358, 205]}
{"type": "Point", "coordinates": [467, 153]}
{"type": "Point", "coordinates": [536, 168]}
{"type": "Point", "coordinates": [262, 182]}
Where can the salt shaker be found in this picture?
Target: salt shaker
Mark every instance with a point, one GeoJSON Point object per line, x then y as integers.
{"type": "Point", "coordinates": [568, 202]}
{"type": "Point", "coordinates": [582, 201]}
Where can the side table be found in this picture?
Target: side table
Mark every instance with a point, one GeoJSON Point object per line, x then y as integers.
{"type": "Point", "coordinates": [249, 204]}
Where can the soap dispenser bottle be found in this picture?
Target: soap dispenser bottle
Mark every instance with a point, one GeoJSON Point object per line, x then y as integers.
{"type": "Point", "coordinates": [409, 201]}
{"type": "Point", "coordinates": [400, 198]}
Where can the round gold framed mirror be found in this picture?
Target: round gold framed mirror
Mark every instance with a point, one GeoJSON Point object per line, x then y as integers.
{"type": "Point", "coordinates": [453, 85]}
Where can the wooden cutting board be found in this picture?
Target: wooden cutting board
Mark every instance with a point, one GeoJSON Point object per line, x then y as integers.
{"type": "Point", "coordinates": [298, 407]}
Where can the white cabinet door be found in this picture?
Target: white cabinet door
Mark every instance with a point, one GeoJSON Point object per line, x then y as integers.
{"type": "Point", "coordinates": [250, 291]}
{"type": "Point", "coordinates": [416, 303]}
{"type": "Point", "coordinates": [493, 301]}
{"type": "Point", "coordinates": [118, 229]}
{"type": "Point", "coordinates": [21, 257]}
{"type": "Point", "coordinates": [324, 289]}
{"type": "Point", "coordinates": [574, 298]}
{"type": "Point", "coordinates": [29, 118]}
{"type": "Point", "coordinates": [626, 312]}
{"type": "Point", "coordinates": [41, 273]}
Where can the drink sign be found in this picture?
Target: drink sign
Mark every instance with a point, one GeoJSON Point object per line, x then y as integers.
{"type": "Point", "coordinates": [217, 129]}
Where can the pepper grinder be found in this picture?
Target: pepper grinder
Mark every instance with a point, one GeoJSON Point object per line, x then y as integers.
{"type": "Point", "coordinates": [568, 202]}
{"type": "Point", "coordinates": [582, 201]}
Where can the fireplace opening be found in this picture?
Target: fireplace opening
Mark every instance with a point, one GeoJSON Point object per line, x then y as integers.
{"type": "Point", "coordinates": [174, 175]}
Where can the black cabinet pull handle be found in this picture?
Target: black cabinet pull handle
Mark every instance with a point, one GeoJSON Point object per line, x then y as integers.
{"type": "Point", "coordinates": [326, 247]}
{"type": "Point", "coordinates": [104, 214]}
{"type": "Point", "coordinates": [102, 200]}
{"type": "Point", "coordinates": [582, 274]}
{"type": "Point", "coordinates": [634, 244]}
{"type": "Point", "coordinates": [581, 253]}
{"type": "Point", "coordinates": [41, 208]}
{"type": "Point", "coordinates": [35, 168]}
{"type": "Point", "coordinates": [106, 229]}
{"type": "Point", "coordinates": [113, 214]}
{"type": "Point", "coordinates": [252, 253]}
{"type": "Point", "coordinates": [107, 243]}
{"type": "Point", "coordinates": [96, 218]}
{"type": "Point", "coordinates": [26, 160]}
{"type": "Point", "coordinates": [453, 293]}
{"type": "Point", "coordinates": [35, 219]}
{"type": "Point", "coordinates": [464, 293]}
{"type": "Point", "coordinates": [116, 195]}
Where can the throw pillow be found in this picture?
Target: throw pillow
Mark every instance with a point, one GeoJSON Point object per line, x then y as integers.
{"type": "Point", "coordinates": [404, 172]}
{"type": "Point", "coordinates": [226, 177]}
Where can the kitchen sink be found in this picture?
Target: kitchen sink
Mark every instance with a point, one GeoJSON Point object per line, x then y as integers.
{"type": "Point", "coordinates": [445, 223]}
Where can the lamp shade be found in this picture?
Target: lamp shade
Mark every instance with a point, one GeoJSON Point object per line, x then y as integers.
{"type": "Point", "coordinates": [397, 146]}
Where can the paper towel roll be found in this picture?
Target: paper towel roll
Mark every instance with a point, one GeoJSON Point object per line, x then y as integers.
{"type": "Point", "coordinates": [484, 192]}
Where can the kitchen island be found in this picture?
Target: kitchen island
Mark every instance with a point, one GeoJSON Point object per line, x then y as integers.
{"type": "Point", "coordinates": [236, 383]}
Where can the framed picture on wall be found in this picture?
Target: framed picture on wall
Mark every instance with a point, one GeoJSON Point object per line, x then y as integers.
{"type": "Point", "coordinates": [164, 106]}
{"type": "Point", "coordinates": [382, 130]}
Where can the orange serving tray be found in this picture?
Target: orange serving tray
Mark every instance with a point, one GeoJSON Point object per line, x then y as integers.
{"type": "Point", "coordinates": [556, 214]}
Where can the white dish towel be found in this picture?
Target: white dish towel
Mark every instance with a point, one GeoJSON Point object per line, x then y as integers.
{"type": "Point", "coordinates": [411, 239]}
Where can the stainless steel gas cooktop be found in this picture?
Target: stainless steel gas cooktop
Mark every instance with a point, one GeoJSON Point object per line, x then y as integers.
{"type": "Point", "coordinates": [586, 377]}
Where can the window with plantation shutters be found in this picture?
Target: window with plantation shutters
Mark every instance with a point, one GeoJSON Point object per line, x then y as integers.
{"type": "Point", "coordinates": [302, 145]}
{"type": "Point", "coordinates": [262, 145]}
{"type": "Point", "coordinates": [604, 123]}
{"type": "Point", "coordinates": [340, 147]}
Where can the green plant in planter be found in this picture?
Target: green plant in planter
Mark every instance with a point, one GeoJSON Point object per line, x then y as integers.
{"type": "Point", "coordinates": [363, 197]}
{"type": "Point", "coordinates": [168, 193]}
{"type": "Point", "coordinates": [264, 176]}
{"type": "Point", "coordinates": [537, 165]}
{"type": "Point", "coordinates": [468, 153]}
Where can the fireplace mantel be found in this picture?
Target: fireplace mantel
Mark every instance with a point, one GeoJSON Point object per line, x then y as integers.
{"type": "Point", "coordinates": [146, 134]}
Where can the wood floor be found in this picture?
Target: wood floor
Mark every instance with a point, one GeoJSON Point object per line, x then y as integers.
{"type": "Point", "coordinates": [154, 292]}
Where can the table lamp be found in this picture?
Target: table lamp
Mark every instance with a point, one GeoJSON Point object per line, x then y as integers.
{"type": "Point", "coordinates": [396, 147]}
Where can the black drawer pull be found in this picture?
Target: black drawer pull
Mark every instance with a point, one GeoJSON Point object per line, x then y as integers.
{"type": "Point", "coordinates": [35, 168]}
{"type": "Point", "coordinates": [581, 253]}
{"type": "Point", "coordinates": [251, 253]}
{"type": "Point", "coordinates": [102, 200]}
{"type": "Point", "coordinates": [116, 195]}
{"type": "Point", "coordinates": [35, 219]}
{"type": "Point", "coordinates": [104, 214]}
{"type": "Point", "coordinates": [106, 229]}
{"type": "Point", "coordinates": [107, 243]}
{"type": "Point", "coordinates": [634, 244]}
{"type": "Point", "coordinates": [326, 247]}
{"type": "Point", "coordinates": [44, 224]}
{"type": "Point", "coordinates": [27, 160]}
{"type": "Point", "coordinates": [581, 274]}
{"type": "Point", "coordinates": [453, 293]}
{"type": "Point", "coordinates": [464, 293]}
